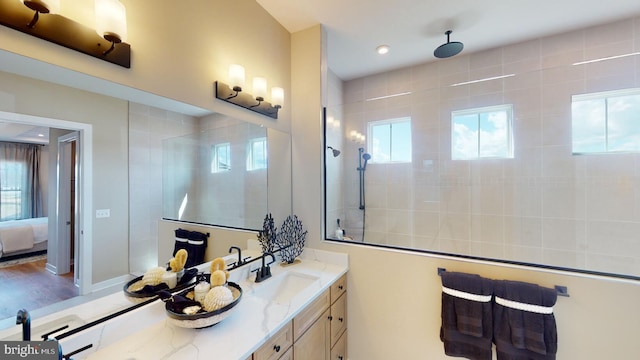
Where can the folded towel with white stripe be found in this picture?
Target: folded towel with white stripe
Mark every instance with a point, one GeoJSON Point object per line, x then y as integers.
{"type": "Point", "coordinates": [524, 324]}
{"type": "Point", "coordinates": [466, 329]}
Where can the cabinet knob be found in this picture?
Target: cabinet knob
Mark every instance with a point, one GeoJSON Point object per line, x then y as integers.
{"type": "Point", "coordinates": [276, 348]}
{"type": "Point", "coordinates": [340, 357]}
{"type": "Point", "coordinates": [340, 319]}
{"type": "Point", "coordinates": [330, 318]}
{"type": "Point", "coordinates": [340, 287]}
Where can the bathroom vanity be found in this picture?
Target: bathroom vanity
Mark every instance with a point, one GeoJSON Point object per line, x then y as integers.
{"type": "Point", "coordinates": [300, 310]}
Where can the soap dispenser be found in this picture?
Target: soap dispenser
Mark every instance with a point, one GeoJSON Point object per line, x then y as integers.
{"type": "Point", "coordinates": [339, 232]}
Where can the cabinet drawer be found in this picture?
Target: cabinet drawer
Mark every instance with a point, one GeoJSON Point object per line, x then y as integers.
{"type": "Point", "coordinates": [276, 346]}
{"type": "Point", "coordinates": [338, 288]}
{"type": "Point", "coordinates": [308, 316]}
{"type": "Point", "coordinates": [339, 350]}
{"type": "Point", "coordinates": [338, 318]}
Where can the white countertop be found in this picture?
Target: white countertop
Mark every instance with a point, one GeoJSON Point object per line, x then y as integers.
{"type": "Point", "coordinates": [145, 333]}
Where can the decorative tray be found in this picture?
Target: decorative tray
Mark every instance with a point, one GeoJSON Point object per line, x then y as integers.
{"type": "Point", "coordinates": [135, 293]}
{"type": "Point", "coordinates": [203, 319]}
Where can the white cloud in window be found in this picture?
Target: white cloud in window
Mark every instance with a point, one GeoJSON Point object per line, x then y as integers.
{"type": "Point", "coordinates": [465, 142]}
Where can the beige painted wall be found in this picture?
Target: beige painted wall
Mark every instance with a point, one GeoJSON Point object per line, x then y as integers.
{"type": "Point", "coordinates": [394, 296]}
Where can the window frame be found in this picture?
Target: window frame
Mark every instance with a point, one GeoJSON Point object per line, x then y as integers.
{"type": "Point", "coordinates": [390, 123]}
{"type": "Point", "coordinates": [605, 96]}
{"type": "Point", "coordinates": [215, 159]}
{"type": "Point", "coordinates": [478, 111]}
{"type": "Point", "coordinates": [251, 157]}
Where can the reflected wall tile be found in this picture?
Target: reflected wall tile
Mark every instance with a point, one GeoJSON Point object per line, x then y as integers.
{"type": "Point", "coordinates": [563, 198]}
{"type": "Point", "coordinates": [527, 132]}
{"type": "Point", "coordinates": [523, 197]}
{"type": "Point", "coordinates": [613, 264]}
{"type": "Point", "coordinates": [563, 258]}
{"type": "Point", "coordinates": [487, 198]}
{"type": "Point", "coordinates": [455, 246]}
{"type": "Point", "coordinates": [611, 201]}
{"type": "Point", "coordinates": [573, 40]}
{"type": "Point", "coordinates": [562, 60]}
{"type": "Point", "coordinates": [523, 51]}
{"type": "Point", "coordinates": [377, 219]}
{"type": "Point", "coordinates": [556, 130]}
{"type": "Point", "coordinates": [376, 195]}
{"type": "Point", "coordinates": [399, 197]}
{"type": "Point", "coordinates": [603, 34]}
{"type": "Point", "coordinates": [455, 199]}
{"type": "Point", "coordinates": [523, 231]}
{"type": "Point", "coordinates": [455, 227]}
{"type": "Point", "coordinates": [486, 58]}
{"type": "Point", "coordinates": [558, 161]}
{"type": "Point", "coordinates": [487, 228]}
{"type": "Point", "coordinates": [527, 163]}
{"type": "Point", "coordinates": [400, 222]}
{"type": "Point", "coordinates": [454, 65]}
{"type": "Point", "coordinates": [556, 98]}
{"type": "Point", "coordinates": [564, 234]}
{"type": "Point", "coordinates": [486, 250]}
{"type": "Point", "coordinates": [426, 224]}
{"type": "Point", "coordinates": [608, 83]}
{"type": "Point", "coordinates": [527, 254]}
{"type": "Point", "coordinates": [613, 238]}
{"type": "Point", "coordinates": [425, 243]}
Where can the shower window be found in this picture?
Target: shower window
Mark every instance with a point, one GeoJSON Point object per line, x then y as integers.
{"type": "Point", "coordinates": [482, 133]}
{"type": "Point", "coordinates": [390, 140]}
{"type": "Point", "coordinates": [606, 122]}
{"type": "Point", "coordinates": [257, 158]}
{"type": "Point", "coordinates": [221, 158]}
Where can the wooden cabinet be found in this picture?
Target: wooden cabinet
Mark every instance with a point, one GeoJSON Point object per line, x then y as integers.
{"type": "Point", "coordinates": [326, 337]}
{"type": "Point", "coordinates": [277, 345]}
{"type": "Point", "coordinates": [317, 333]}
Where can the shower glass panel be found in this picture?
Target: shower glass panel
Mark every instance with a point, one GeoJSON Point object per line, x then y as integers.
{"type": "Point", "coordinates": [525, 197]}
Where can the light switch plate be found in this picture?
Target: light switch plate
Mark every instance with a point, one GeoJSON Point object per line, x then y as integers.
{"type": "Point", "coordinates": [103, 213]}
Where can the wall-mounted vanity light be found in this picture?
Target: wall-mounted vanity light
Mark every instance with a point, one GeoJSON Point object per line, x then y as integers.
{"type": "Point", "coordinates": [40, 18]}
{"type": "Point", "coordinates": [234, 93]}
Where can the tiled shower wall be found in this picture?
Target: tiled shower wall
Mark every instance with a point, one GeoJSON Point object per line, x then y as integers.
{"type": "Point", "coordinates": [544, 206]}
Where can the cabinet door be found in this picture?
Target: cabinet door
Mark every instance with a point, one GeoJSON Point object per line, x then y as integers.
{"type": "Point", "coordinates": [314, 343]}
{"type": "Point", "coordinates": [276, 345]}
{"type": "Point", "coordinates": [338, 288]}
{"type": "Point", "coordinates": [338, 318]}
{"type": "Point", "coordinates": [339, 350]}
{"type": "Point", "coordinates": [308, 315]}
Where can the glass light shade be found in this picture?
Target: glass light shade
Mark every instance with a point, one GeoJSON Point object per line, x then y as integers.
{"type": "Point", "coordinates": [277, 96]}
{"type": "Point", "coordinates": [259, 88]}
{"type": "Point", "coordinates": [111, 18]}
{"type": "Point", "coordinates": [353, 135]}
{"type": "Point", "coordinates": [53, 6]}
{"type": "Point", "coordinates": [236, 76]}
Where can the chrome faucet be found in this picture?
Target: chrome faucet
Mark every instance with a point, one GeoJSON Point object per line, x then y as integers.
{"type": "Point", "coordinates": [265, 271]}
{"type": "Point", "coordinates": [24, 318]}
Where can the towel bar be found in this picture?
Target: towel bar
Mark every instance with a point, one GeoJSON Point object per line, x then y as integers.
{"type": "Point", "coordinates": [560, 290]}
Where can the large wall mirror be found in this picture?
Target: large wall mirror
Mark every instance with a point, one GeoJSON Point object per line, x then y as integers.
{"type": "Point", "coordinates": [219, 175]}
{"type": "Point", "coordinates": [523, 154]}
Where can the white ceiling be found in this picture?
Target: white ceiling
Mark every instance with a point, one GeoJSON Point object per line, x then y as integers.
{"type": "Point", "coordinates": [23, 133]}
{"type": "Point", "coordinates": [414, 28]}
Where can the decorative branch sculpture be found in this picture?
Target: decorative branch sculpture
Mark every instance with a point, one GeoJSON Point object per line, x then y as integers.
{"type": "Point", "coordinates": [267, 237]}
{"type": "Point", "coordinates": [291, 239]}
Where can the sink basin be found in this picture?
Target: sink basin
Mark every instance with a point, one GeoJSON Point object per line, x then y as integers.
{"type": "Point", "coordinates": [282, 288]}
{"type": "Point", "coordinates": [71, 321]}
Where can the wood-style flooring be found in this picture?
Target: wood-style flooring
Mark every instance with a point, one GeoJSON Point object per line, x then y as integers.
{"type": "Point", "coordinates": [30, 286]}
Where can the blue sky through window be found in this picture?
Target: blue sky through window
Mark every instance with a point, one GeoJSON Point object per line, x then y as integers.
{"type": "Point", "coordinates": [482, 133]}
{"type": "Point", "coordinates": [606, 122]}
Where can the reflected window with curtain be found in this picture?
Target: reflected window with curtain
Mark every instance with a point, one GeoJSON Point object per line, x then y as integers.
{"type": "Point", "coordinates": [20, 190]}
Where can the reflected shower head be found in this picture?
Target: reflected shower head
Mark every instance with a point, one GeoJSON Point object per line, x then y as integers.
{"type": "Point", "coordinates": [449, 49]}
{"type": "Point", "coordinates": [335, 152]}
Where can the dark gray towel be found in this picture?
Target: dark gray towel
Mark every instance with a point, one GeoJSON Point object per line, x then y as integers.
{"type": "Point", "coordinates": [466, 329]}
{"type": "Point", "coordinates": [520, 334]}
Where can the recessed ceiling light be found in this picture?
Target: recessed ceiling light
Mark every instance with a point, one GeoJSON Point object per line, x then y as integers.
{"type": "Point", "coordinates": [382, 49]}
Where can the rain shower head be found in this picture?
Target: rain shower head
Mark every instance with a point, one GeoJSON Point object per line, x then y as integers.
{"type": "Point", "coordinates": [449, 49]}
{"type": "Point", "coordinates": [335, 152]}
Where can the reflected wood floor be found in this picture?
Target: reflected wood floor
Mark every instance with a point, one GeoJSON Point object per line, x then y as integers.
{"type": "Point", "coordinates": [30, 286]}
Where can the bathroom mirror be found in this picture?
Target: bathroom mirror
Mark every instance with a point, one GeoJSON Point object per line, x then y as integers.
{"type": "Point", "coordinates": [219, 176]}
{"type": "Point", "coordinates": [493, 156]}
